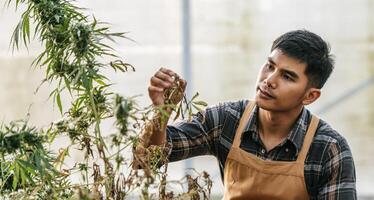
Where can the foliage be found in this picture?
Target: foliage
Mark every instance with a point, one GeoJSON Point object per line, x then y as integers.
{"type": "Point", "coordinates": [26, 164]}
{"type": "Point", "coordinates": [75, 50]}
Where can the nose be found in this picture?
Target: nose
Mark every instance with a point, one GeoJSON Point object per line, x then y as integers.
{"type": "Point", "coordinates": [270, 81]}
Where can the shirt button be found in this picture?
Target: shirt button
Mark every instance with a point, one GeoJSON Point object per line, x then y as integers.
{"type": "Point", "coordinates": [286, 150]}
{"type": "Point", "coordinates": [263, 151]}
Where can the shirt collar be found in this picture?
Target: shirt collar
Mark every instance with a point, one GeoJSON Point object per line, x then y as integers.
{"type": "Point", "coordinates": [298, 131]}
{"type": "Point", "coordinates": [295, 136]}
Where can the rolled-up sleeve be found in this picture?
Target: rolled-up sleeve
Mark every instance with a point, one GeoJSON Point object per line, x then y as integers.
{"type": "Point", "coordinates": [196, 137]}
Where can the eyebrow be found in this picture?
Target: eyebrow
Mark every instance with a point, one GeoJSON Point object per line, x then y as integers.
{"type": "Point", "coordinates": [289, 72]}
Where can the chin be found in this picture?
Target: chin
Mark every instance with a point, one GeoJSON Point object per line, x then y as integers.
{"type": "Point", "coordinates": [268, 105]}
{"type": "Point", "coordinates": [263, 104]}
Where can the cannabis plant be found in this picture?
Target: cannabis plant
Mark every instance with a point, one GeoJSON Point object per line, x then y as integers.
{"type": "Point", "coordinates": [76, 51]}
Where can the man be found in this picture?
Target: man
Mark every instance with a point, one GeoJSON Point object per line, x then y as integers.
{"type": "Point", "coordinates": [272, 147]}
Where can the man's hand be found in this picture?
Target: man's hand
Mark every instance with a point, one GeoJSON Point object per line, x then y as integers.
{"type": "Point", "coordinates": [160, 82]}
{"type": "Point", "coordinates": [164, 85]}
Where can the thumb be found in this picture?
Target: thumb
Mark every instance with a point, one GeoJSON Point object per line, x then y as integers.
{"type": "Point", "coordinates": [183, 84]}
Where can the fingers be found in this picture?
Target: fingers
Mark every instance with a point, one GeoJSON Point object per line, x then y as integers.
{"type": "Point", "coordinates": [157, 82]}
{"type": "Point", "coordinates": [152, 88]}
{"type": "Point", "coordinates": [167, 71]}
{"type": "Point", "coordinates": [164, 76]}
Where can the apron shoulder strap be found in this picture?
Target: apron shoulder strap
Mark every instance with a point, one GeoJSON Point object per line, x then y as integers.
{"type": "Point", "coordinates": [243, 122]}
{"type": "Point", "coordinates": [308, 139]}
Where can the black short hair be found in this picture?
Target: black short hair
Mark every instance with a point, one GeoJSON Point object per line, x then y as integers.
{"type": "Point", "coordinates": [311, 49]}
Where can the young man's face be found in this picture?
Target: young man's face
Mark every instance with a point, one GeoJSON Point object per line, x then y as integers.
{"type": "Point", "coordinates": [282, 83]}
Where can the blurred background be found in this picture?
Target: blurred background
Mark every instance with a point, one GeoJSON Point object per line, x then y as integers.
{"type": "Point", "coordinates": [219, 46]}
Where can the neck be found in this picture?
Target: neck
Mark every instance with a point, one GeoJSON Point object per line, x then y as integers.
{"type": "Point", "coordinates": [275, 124]}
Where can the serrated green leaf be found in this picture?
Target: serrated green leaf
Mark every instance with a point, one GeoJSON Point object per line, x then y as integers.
{"type": "Point", "coordinates": [100, 82]}
{"type": "Point", "coordinates": [26, 29]}
{"type": "Point", "coordinates": [15, 37]}
{"type": "Point", "coordinates": [58, 101]}
{"type": "Point", "coordinates": [67, 85]}
{"type": "Point", "coordinates": [30, 168]}
{"type": "Point", "coordinates": [200, 103]}
{"type": "Point", "coordinates": [194, 96]}
{"type": "Point", "coordinates": [15, 175]}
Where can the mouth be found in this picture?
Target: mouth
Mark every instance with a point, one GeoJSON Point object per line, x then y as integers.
{"type": "Point", "coordinates": [265, 94]}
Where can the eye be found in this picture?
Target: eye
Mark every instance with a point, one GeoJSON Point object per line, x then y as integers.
{"type": "Point", "coordinates": [269, 66]}
{"type": "Point", "coordinates": [287, 77]}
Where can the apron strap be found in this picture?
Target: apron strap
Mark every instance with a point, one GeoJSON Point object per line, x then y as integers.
{"type": "Point", "coordinates": [308, 139]}
{"type": "Point", "coordinates": [243, 122]}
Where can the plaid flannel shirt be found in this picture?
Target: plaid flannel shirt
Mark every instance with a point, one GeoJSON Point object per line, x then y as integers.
{"type": "Point", "coordinates": [329, 168]}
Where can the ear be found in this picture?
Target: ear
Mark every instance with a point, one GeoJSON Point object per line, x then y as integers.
{"type": "Point", "coordinates": [311, 95]}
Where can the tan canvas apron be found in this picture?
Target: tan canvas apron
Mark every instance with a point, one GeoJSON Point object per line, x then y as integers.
{"type": "Point", "coordinates": [248, 177]}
